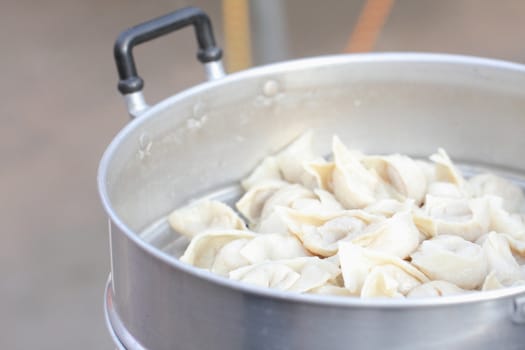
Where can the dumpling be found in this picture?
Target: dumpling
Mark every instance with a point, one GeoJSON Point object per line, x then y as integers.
{"type": "Point", "coordinates": [328, 200]}
{"type": "Point", "coordinates": [435, 289]}
{"type": "Point", "coordinates": [203, 215]}
{"type": "Point", "coordinates": [353, 185]}
{"type": "Point", "coordinates": [291, 160]}
{"type": "Point", "coordinates": [491, 282]}
{"type": "Point", "coordinates": [397, 236]}
{"type": "Point", "coordinates": [252, 202]}
{"type": "Point", "coordinates": [380, 285]}
{"type": "Point", "coordinates": [325, 204]}
{"type": "Point", "coordinates": [428, 169]}
{"type": "Point", "coordinates": [445, 189]}
{"type": "Point", "coordinates": [489, 184]}
{"type": "Point", "coordinates": [402, 173]}
{"type": "Point", "coordinates": [452, 259]}
{"type": "Point", "coordinates": [502, 221]}
{"type": "Point", "coordinates": [388, 207]}
{"type": "Point", "coordinates": [467, 218]}
{"type": "Point", "coordinates": [270, 220]}
{"type": "Point", "coordinates": [517, 246]}
{"type": "Point", "coordinates": [320, 234]}
{"type": "Point", "coordinates": [268, 170]}
{"type": "Point", "coordinates": [228, 256]}
{"type": "Point", "coordinates": [321, 171]}
{"type": "Point", "coordinates": [223, 251]}
{"type": "Point", "coordinates": [445, 169]}
{"type": "Point", "coordinates": [388, 281]}
{"type": "Point", "coordinates": [500, 260]}
{"type": "Point", "coordinates": [298, 275]}
{"type": "Point", "coordinates": [357, 262]}
{"type": "Point", "coordinates": [331, 289]}
{"type": "Point", "coordinates": [286, 165]}
{"type": "Point", "coordinates": [269, 274]}
{"type": "Point", "coordinates": [272, 247]}
{"type": "Point", "coordinates": [218, 251]}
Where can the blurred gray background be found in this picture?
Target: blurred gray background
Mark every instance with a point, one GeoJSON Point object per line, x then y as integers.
{"type": "Point", "coordinates": [60, 108]}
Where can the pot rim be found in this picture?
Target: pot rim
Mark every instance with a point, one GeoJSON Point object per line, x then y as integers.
{"type": "Point", "coordinates": [275, 68]}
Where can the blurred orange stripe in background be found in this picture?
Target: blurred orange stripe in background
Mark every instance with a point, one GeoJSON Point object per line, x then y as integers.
{"type": "Point", "coordinates": [371, 20]}
{"type": "Point", "coordinates": [237, 31]}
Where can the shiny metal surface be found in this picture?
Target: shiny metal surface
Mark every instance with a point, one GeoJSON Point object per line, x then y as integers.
{"type": "Point", "coordinates": [519, 310]}
{"type": "Point", "coordinates": [208, 137]}
{"type": "Point", "coordinates": [214, 70]}
{"type": "Point", "coordinates": [121, 337]}
{"type": "Point", "coordinates": [135, 103]}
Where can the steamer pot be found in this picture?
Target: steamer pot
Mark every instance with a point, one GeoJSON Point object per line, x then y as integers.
{"type": "Point", "coordinates": [202, 141]}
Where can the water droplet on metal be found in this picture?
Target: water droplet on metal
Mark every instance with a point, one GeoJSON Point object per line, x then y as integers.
{"type": "Point", "coordinates": [271, 88]}
{"type": "Point", "coordinates": [199, 116]}
{"type": "Point", "coordinates": [199, 110]}
{"type": "Point", "coordinates": [145, 145]}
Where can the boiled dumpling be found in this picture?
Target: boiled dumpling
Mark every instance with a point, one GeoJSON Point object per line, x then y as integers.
{"type": "Point", "coordinates": [268, 170]}
{"type": "Point", "coordinates": [445, 169]}
{"type": "Point", "coordinates": [502, 221]}
{"type": "Point", "coordinates": [298, 275]}
{"type": "Point", "coordinates": [357, 262]}
{"type": "Point", "coordinates": [320, 234]}
{"type": "Point", "coordinates": [285, 197]}
{"type": "Point", "coordinates": [452, 259]}
{"type": "Point", "coordinates": [468, 218]}
{"type": "Point", "coordinates": [227, 258]}
{"type": "Point", "coordinates": [218, 251]}
{"type": "Point", "coordinates": [388, 281]}
{"type": "Point", "coordinates": [270, 220]}
{"type": "Point", "coordinates": [268, 274]}
{"type": "Point", "coordinates": [402, 173]}
{"type": "Point", "coordinates": [203, 215]}
{"type": "Point", "coordinates": [380, 285]}
{"type": "Point", "coordinates": [435, 289]}
{"type": "Point", "coordinates": [291, 160]}
{"type": "Point", "coordinates": [252, 202]}
{"type": "Point", "coordinates": [321, 171]}
{"type": "Point", "coordinates": [388, 207]}
{"type": "Point", "coordinates": [429, 169]}
{"type": "Point", "coordinates": [353, 185]}
{"type": "Point", "coordinates": [397, 236]}
{"type": "Point", "coordinates": [489, 184]}
{"type": "Point", "coordinates": [517, 246]}
{"type": "Point", "coordinates": [325, 204]}
{"type": "Point", "coordinates": [286, 165]}
{"type": "Point", "coordinates": [445, 189]}
{"type": "Point", "coordinates": [331, 289]}
{"type": "Point", "coordinates": [492, 282]}
{"type": "Point", "coordinates": [272, 247]}
{"type": "Point", "coordinates": [500, 260]}
{"type": "Point", "coordinates": [223, 251]}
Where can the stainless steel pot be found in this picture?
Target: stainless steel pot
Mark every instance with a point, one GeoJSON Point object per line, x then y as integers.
{"type": "Point", "coordinates": [203, 140]}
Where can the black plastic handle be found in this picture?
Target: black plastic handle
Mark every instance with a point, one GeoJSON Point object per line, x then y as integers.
{"type": "Point", "coordinates": [123, 49]}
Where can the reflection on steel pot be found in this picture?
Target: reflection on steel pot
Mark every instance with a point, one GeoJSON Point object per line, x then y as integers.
{"type": "Point", "coordinates": [203, 140]}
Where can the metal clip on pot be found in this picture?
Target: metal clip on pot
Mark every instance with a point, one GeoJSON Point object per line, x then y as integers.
{"type": "Point", "coordinates": [131, 84]}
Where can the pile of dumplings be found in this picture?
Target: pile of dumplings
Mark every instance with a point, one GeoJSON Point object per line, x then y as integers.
{"type": "Point", "coordinates": [361, 225]}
